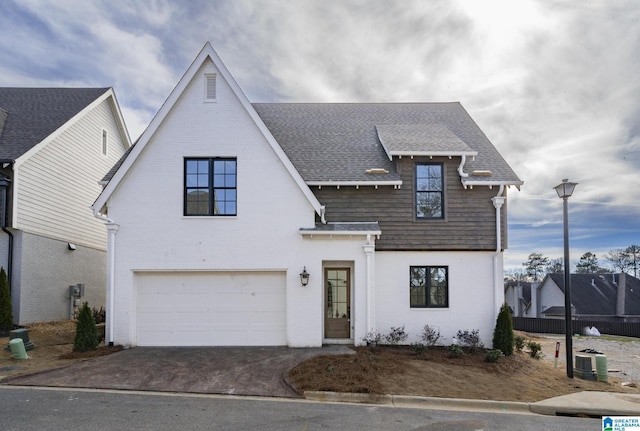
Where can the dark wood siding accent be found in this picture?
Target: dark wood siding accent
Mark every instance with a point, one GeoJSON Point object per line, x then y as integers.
{"type": "Point", "coordinates": [469, 222]}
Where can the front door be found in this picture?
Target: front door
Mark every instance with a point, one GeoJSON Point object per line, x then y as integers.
{"type": "Point", "coordinates": [337, 303]}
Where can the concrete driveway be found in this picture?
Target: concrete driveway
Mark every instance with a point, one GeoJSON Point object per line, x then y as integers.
{"type": "Point", "coordinates": [211, 370]}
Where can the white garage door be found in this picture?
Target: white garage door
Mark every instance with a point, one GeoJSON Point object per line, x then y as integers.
{"type": "Point", "coordinates": [211, 309]}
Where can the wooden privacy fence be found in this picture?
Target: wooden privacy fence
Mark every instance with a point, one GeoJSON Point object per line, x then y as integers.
{"type": "Point", "coordinates": [556, 326]}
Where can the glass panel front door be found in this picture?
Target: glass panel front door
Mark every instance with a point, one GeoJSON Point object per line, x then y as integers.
{"type": "Point", "coordinates": [337, 303]}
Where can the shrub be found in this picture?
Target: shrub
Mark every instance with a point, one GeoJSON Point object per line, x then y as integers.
{"type": "Point", "coordinates": [372, 338]}
{"type": "Point", "coordinates": [535, 349]}
{"type": "Point", "coordinates": [455, 350]}
{"type": "Point", "coordinates": [100, 316]}
{"type": "Point", "coordinates": [396, 336]}
{"type": "Point", "coordinates": [519, 342]}
{"type": "Point", "coordinates": [493, 355]}
{"type": "Point", "coordinates": [471, 340]}
{"type": "Point", "coordinates": [6, 316]}
{"type": "Point", "coordinates": [503, 333]}
{"type": "Point", "coordinates": [430, 335]}
{"type": "Point", "coordinates": [86, 331]}
{"type": "Point", "coordinates": [419, 348]}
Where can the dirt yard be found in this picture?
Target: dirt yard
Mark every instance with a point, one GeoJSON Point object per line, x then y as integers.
{"type": "Point", "coordinates": [394, 370]}
{"type": "Point", "coordinates": [399, 370]}
{"type": "Point", "coordinates": [53, 349]}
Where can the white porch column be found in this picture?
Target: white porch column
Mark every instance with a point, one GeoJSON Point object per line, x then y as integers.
{"type": "Point", "coordinates": [369, 251]}
{"type": "Point", "coordinates": [112, 229]}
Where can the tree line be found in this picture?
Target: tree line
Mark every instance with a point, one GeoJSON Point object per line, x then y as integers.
{"type": "Point", "coordinates": [619, 260]}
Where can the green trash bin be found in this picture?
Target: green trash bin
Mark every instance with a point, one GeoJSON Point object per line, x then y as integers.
{"type": "Point", "coordinates": [17, 348]}
{"type": "Point", "coordinates": [601, 368]}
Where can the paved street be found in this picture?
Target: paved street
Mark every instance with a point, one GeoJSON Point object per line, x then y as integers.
{"type": "Point", "coordinates": [27, 409]}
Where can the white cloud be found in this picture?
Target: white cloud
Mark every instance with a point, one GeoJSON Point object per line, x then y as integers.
{"type": "Point", "coordinates": [553, 84]}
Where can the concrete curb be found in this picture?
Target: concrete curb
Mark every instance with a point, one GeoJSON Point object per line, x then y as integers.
{"type": "Point", "coordinates": [407, 401]}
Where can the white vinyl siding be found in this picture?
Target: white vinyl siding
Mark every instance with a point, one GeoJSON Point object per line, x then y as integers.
{"type": "Point", "coordinates": [56, 185]}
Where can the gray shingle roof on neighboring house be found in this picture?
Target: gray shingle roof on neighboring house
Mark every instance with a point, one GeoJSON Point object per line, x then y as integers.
{"type": "Point", "coordinates": [597, 293]}
{"type": "Point", "coordinates": [339, 142]}
{"type": "Point", "coordinates": [32, 114]}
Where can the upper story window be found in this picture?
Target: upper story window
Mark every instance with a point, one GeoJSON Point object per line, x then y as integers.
{"type": "Point", "coordinates": [105, 142]}
{"type": "Point", "coordinates": [210, 187]}
{"type": "Point", "coordinates": [429, 191]}
{"type": "Point", "coordinates": [429, 287]}
{"type": "Point", "coordinates": [210, 87]}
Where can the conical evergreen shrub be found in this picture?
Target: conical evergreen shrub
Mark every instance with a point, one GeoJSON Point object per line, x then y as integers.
{"type": "Point", "coordinates": [86, 331]}
{"type": "Point", "coordinates": [503, 333]}
{"type": "Point", "coordinates": [6, 316]}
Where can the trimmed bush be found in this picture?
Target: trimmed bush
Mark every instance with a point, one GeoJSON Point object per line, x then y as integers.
{"type": "Point", "coordinates": [6, 316]}
{"type": "Point", "coordinates": [86, 331]}
{"type": "Point", "coordinates": [396, 335]}
{"type": "Point", "coordinates": [503, 333]}
{"type": "Point", "coordinates": [470, 339]}
{"type": "Point", "coordinates": [455, 351]}
{"type": "Point", "coordinates": [430, 335]}
{"type": "Point", "coordinates": [535, 349]}
{"type": "Point", "coordinates": [493, 355]}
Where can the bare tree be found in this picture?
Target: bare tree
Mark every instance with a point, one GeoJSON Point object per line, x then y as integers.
{"type": "Point", "coordinates": [555, 266]}
{"type": "Point", "coordinates": [625, 260]}
{"type": "Point", "coordinates": [619, 260]}
{"type": "Point", "coordinates": [633, 256]}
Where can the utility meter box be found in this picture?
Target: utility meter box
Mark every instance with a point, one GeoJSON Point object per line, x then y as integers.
{"type": "Point", "coordinates": [76, 291]}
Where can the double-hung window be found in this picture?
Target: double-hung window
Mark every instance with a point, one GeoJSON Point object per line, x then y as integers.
{"type": "Point", "coordinates": [429, 286]}
{"type": "Point", "coordinates": [429, 191]}
{"type": "Point", "coordinates": [210, 187]}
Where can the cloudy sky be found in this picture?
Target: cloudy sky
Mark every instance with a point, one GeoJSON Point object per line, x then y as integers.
{"type": "Point", "coordinates": [555, 85]}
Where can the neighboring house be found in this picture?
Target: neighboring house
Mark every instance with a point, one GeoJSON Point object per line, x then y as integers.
{"type": "Point", "coordinates": [55, 146]}
{"type": "Point", "coordinates": [593, 296]}
{"type": "Point", "coordinates": [517, 295]}
{"type": "Point", "coordinates": [223, 208]}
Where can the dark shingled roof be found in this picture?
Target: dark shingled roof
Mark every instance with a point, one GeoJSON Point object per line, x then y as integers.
{"type": "Point", "coordinates": [339, 142]}
{"type": "Point", "coordinates": [597, 293]}
{"type": "Point", "coordinates": [32, 114]}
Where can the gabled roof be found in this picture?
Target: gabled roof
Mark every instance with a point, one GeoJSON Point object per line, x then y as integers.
{"type": "Point", "coordinates": [342, 143]}
{"type": "Point", "coordinates": [597, 293]}
{"type": "Point", "coordinates": [127, 161]}
{"type": "Point", "coordinates": [32, 114]}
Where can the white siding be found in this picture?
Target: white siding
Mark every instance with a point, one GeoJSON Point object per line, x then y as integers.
{"type": "Point", "coordinates": [56, 186]}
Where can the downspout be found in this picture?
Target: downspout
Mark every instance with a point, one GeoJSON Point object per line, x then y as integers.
{"type": "Point", "coordinates": [112, 229]}
{"type": "Point", "coordinates": [498, 201]}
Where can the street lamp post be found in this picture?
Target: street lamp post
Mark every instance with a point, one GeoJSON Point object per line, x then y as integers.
{"type": "Point", "coordinates": [565, 190]}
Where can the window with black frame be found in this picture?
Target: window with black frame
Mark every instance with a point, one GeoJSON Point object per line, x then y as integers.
{"type": "Point", "coordinates": [429, 286]}
{"type": "Point", "coordinates": [210, 187]}
{"type": "Point", "coordinates": [429, 191]}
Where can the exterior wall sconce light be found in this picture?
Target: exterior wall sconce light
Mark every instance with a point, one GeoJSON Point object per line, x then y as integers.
{"type": "Point", "coordinates": [565, 190]}
{"type": "Point", "coordinates": [71, 246]}
{"type": "Point", "coordinates": [304, 277]}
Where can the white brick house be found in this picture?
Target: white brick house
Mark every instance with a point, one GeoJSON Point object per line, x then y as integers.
{"type": "Point", "coordinates": [221, 205]}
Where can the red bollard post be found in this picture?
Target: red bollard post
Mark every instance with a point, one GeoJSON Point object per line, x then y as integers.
{"type": "Point", "coordinates": [555, 362]}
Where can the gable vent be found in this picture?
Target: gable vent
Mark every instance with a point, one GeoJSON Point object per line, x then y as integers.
{"type": "Point", "coordinates": [210, 87]}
